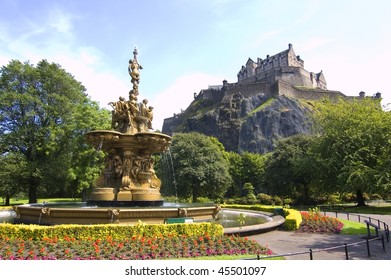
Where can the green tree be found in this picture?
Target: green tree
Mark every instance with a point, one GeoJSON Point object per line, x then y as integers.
{"type": "Point", "coordinates": [290, 167]}
{"type": "Point", "coordinates": [253, 169]}
{"type": "Point", "coordinates": [353, 146]}
{"type": "Point", "coordinates": [246, 168]}
{"type": "Point", "coordinates": [44, 114]}
{"type": "Point", "coordinates": [201, 167]}
{"type": "Point", "coordinates": [10, 184]}
{"type": "Point", "coordinates": [236, 172]}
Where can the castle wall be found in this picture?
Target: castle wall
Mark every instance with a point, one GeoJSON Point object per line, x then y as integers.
{"type": "Point", "coordinates": [247, 90]}
{"type": "Point", "coordinates": [288, 90]}
{"type": "Point", "coordinates": [215, 95]}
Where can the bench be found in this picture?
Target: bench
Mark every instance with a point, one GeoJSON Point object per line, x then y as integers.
{"type": "Point", "coordinates": [370, 224]}
{"type": "Point", "coordinates": [178, 220]}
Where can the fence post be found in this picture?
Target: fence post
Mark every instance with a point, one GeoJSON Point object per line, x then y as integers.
{"type": "Point", "coordinates": [311, 256]}
{"type": "Point", "coordinates": [347, 214]}
{"type": "Point", "coordinates": [346, 252]}
{"type": "Point", "coordinates": [359, 218]}
{"type": "Point", "coordinates": [368, 250]}
{"type": "Point", "coordinates": [382, 242]}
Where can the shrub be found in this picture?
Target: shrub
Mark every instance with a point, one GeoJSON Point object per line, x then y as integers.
{"type": "Point", "coordinates": [376, 196]}
{"type": "Point", "coordinates": [348, 197]}
{"type": "Point", "coordinates": [36, 232]}
{"type": "Point", "coordinates": [277, 200]}
{"type": "Point", "coordinates": [293, 219]}
{"type": "Point", "coordinates": [265, 199]}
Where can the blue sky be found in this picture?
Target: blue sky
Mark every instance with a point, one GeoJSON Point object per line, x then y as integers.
{"type": "Point", "coordinates": [184, 45]}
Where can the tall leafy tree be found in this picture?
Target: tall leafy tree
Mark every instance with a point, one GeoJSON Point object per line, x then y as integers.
{"type": "Point", "coordinates": [236, 172]}
{"type": "Point", "coordinates": [246, 168]}
{"type": "Point", "coordinates": [354, 146]}
{"type": "Point", "coordinates": [201, 166]}
{"type": "Point", "coordinates": [10, 184]}
{"type": "Point", "coordinates": [253, 169]}
{"type": "Point", "coordinates": [44, 114]}
{"type": "Point", "coordinates": [290, 167]}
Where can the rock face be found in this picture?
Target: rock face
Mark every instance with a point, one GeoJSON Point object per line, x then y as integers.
{"type": "Point", "coordinates": [284, 117]}
{"type": "Point", "coordinates": [251, 124]}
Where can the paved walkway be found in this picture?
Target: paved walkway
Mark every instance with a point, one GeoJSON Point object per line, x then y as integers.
{"type": "Point", "coordinates": [296, 246]}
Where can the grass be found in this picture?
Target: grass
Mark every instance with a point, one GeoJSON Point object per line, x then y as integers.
{"type": "Point", "coordinates": [354, 228]}
{"type": "Point", "coordinates": [379, 210]}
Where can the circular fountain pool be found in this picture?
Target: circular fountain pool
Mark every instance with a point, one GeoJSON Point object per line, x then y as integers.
{"type": "Point", "coordinates": [234, 221]}
{"type": "Point", "coordinates": [80, 213]}
{"type": "Point", "coordinates": [247, 222]}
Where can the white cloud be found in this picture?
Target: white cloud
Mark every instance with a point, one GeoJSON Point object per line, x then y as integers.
{"type": "Point", "coordinates": [60, 21]}
{"type": "Point", "coordinates": [179, 95]}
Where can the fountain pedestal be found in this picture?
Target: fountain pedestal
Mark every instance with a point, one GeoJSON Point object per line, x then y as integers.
{"type": "Point", "coordinates": [128, 178]}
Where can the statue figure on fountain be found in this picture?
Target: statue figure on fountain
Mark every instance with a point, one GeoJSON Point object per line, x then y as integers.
{"type": "Point", "coordinates": [131, 117]}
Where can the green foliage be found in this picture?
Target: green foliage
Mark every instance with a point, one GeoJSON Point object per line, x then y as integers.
{"type": "Point", "coordinates": [249, 192]}
{"type": "Point", "coordinates": [278, 200]}
{"type": "Point", "coordinates": [201, 167]}
{"type": "Point", "coordinates": [10, 183]}
{"type": "Point", "coordinates": [290, 167]}
{"type": "Point", "coordinates": [117, 232]}
{"type": "Point", "coordinates": [353, 146]}
{"type": "Point", "coordinates": [246, 168]}
{"type": "Point", "coordinates": [44, 114]}
{"type": "Point", "coordinates": [265, 199]}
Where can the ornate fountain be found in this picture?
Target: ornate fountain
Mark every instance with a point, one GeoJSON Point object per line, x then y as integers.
{"type": "Point", "coordinates": [128, 190]}
{"type": "Point", "coordinates": [129, 178]}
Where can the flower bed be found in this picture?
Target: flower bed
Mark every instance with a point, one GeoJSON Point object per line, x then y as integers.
{"type": "Point", "coordinates": [315, 222]}
{"type": "Point", "coordinates": [135, 248]}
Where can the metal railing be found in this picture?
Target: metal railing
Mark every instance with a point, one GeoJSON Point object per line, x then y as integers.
{"type": "Point", "coordinates": [382, 225]}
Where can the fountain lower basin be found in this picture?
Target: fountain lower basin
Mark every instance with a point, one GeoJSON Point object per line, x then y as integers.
{"type": "Point", "coordinates": [80, 213]}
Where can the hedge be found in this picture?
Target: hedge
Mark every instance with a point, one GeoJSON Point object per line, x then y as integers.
{"type": "Point", "coordinates": [118, 232]}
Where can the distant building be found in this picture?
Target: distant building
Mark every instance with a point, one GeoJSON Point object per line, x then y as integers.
{"type": "Point", "coordinates": [284, 66]}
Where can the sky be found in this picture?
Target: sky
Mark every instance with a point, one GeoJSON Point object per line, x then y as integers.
{"type": "Point", "coordinates": [185, 46]}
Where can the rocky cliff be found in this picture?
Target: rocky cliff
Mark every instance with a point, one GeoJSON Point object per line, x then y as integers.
{"type": "Point", "coordinates": [244, 123]}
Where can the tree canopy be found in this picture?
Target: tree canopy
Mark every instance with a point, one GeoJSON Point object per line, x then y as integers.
{"type": "Point", "coordinates": [201, 166]}
{"type": "Point", "coordinates": [353, 146]}
{"type": "Point", "coordinates": [289, 169]}
{"type": "Point", "coordinates": [44, 114]}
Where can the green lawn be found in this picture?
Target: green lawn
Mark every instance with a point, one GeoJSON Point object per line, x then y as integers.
{"type": "Point", "coordinates": [371, 209]}
{"type": "Point", "coordinates": [354, 228]}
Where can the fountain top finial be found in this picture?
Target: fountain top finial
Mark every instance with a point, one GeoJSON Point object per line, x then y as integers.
{"type": "Point", "coordinates": [134, 70]}
{"type": "Point", "coordinates": [135, 53]}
